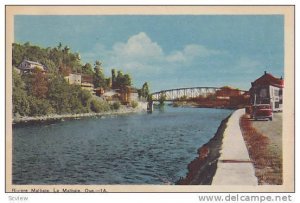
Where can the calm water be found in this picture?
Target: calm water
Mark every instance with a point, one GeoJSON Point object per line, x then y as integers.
{"type": "Point", "coordinates": [128, 149]}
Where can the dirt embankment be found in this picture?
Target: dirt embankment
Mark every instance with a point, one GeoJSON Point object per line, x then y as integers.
{"type": "Point", "coordinates": [267, 163]}
{"type": "Point", "coordinates": [203, 168]}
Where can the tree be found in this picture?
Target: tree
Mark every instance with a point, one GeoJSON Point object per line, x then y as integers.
{"type": "Point", "coordinates": [66, 49]}
{"type": "Point", "coordinates": [58, 94]}
{"type": "Point", "coordinates": [85, 96]}
{"type": "Point", "coordinates": [113, 78]}
{"type": "Point", "coordinates": [52, 68]}
{"type": "Point", "coordinates": [87, 69]}
{"type": "Point", "coordinates": [126, 80]}
{"type": "Point", "coordinates": [119, 79]}
{"type": "Point", "coordinates": [145, 90]}
{"type": "Point", "coordinates": [99, 106]}
{"type": "Point", "coordinates": [59, 46]}
{"type": "Point", "coordinates": [38, 85]}
{"type": "Point", "coordinates": [122, 81]}
{"type": "Point", "coordinates": [162, 98]}
{"type": "Point", "coordinates": [39, 107]}
{"type": "Point", "coordinates": [99, 78]}
{"type": "Point", "coordinates": [19, 96]}
{"type": "Point", "coordinates": [42, 93]}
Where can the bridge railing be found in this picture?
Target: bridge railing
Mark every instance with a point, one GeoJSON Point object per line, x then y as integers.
{"type": "Point", "coordinates": [173, 94]}
{"type": "Point", "coordinates": [185, 93]}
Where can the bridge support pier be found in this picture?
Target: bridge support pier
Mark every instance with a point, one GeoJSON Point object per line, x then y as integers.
{"type": "Point", "coordinates": [150, 106]}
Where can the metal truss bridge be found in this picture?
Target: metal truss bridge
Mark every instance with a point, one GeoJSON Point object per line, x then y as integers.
{"type": "Point", "coordinates": [181, 93]}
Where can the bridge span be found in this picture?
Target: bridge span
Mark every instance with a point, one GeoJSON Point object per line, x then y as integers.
{"type": "Point", "coordinates": [179, 93]}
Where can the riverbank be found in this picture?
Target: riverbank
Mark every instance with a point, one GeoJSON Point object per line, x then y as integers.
{"type": "Point", "coordinates": [203, 168]}
{"type": "Point", "coordinates": [224, 160]}
{"type": "Point", "coordinates": [142, 107]}
{"type": "Point", "coordinates": [216, 105]}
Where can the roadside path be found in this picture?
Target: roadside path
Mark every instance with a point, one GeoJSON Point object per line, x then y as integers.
{"type": "Point", "coordinates": [234, 165]}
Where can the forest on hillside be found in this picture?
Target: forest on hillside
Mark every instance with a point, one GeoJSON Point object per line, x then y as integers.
{"type": "Point", "coordinates": [39, 93]}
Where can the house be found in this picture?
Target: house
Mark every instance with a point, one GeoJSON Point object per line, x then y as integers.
{"type": "Point", "coordinates": [226, 92]}
{"type": "Point", "coordinates": [128, 94]}
{"type": "Point", "coordinates": [134, 95]}
{"type": "Point", "coordinates": [110, 95]}
{"type": "Point", "coordinates": [73, 79]}
{"type": "Point", "coordinates": [99, 91]}
{"type": "Point", "coordinates": [85, 81]}
{"type": "Point", "coordinates": [29, 66]}
{"type": "Point", "coordinates": [267, 90]}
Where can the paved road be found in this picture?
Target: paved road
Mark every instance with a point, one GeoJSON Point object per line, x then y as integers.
{"type": "Point", "coordinates": [273, 130]}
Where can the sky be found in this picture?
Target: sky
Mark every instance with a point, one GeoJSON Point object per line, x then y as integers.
{"type": "Point", "coordinates": [168, 51]}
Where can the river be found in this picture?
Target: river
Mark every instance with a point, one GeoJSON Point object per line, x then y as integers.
{"type": "Point", "coordinates": [125, 149]}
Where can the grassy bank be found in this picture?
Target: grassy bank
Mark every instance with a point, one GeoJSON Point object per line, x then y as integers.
{"type": "Point", "coordinates": [267, 163]}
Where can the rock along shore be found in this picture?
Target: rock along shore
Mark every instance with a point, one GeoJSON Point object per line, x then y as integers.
{"type": "Point", "coordinates": [224, 160]}
{"type": "Point", "coordinates": [203, 168]}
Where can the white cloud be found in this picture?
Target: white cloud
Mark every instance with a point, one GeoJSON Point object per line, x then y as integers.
{"type": "Point", "coordinates": [140, 53]}
{"type": "Point", "coordinates": [138, 47]}
{"type": "Point", "coordinates": [192, 52]}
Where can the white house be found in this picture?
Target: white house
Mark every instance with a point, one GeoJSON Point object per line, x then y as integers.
{"type": "Point", "coordinates": [73, 79]}
{"type": "Point", "coordinates": [267, 90]}
{"type": "Point", "coordinates": [29, 66]}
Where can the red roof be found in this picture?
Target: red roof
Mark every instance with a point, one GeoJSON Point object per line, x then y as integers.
{"type": "Point", "coordinates": [268, 79]}
{"type": "Point", "coordinates": [87, 78]}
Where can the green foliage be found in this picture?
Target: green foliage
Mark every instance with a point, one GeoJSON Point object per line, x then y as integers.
{"type": "Point", "coordinates": [67, 98]}
{"type": "Point", "coordinates": [144, 92]}
{"type": "Point", "coordinates": [85, 97]}
{"type": "Point", "coordinates": [116, 105]}
{"type": "Point", "coordinates": [121, 81]}
{"type": "Point", "coordinates": [19, 96]}
{"type": "Point", "coordinates": [40, 93]}
{"type": "Point", "coordinates": [87, 69]}
{"type": "Point", "coordinates": [99, 78]}
{"type": "Point", "coordinates": [38, 84]}
{"type": "Point", "coordinates": [99, 106]}
{"type": "Point", "coordinates": [39, 107]}
{"type": "Point", "coordinates": [113, 78]}
{"type": "Point", "coordinates": [134, 104]}
{"type": "Point", "coordinates": [162, 98]}
{"type": "Point", "coordinates": [183, 98]}
{"type": "Point", "coordinates": [50, 65]}
{"type": "Point", "coordinates": [55, 59]}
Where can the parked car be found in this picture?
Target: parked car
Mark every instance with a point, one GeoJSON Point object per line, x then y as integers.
{"type": "Point", "coordinates": [262, 111]}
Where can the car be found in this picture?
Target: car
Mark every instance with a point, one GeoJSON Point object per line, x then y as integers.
{"type": "Point", "coordinates": [262, 111]}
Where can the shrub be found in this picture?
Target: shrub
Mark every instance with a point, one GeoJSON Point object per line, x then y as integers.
{"type": "Point", "coordinates": [99, 106]}
{"type": "Point", "coordinates": [134, 104]}
{"type": "Point", "coordinates": [116, 105]}
{"type": "Point", "coordinates": [40, 107]}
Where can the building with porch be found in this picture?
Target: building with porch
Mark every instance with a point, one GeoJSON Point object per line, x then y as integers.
{"type": "Point", "coordinates": [267, 90]}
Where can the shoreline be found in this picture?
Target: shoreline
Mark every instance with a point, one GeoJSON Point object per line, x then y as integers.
{"type": "Point", "coordinates": [62, 117]}
{"type": "Point", "coordinates": [203, 168]}
{"type": "Point", "coordinates": [197, 105]}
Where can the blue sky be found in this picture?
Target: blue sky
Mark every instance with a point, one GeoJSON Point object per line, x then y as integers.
{"type": "Point", "coordinates": [168, 51]}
